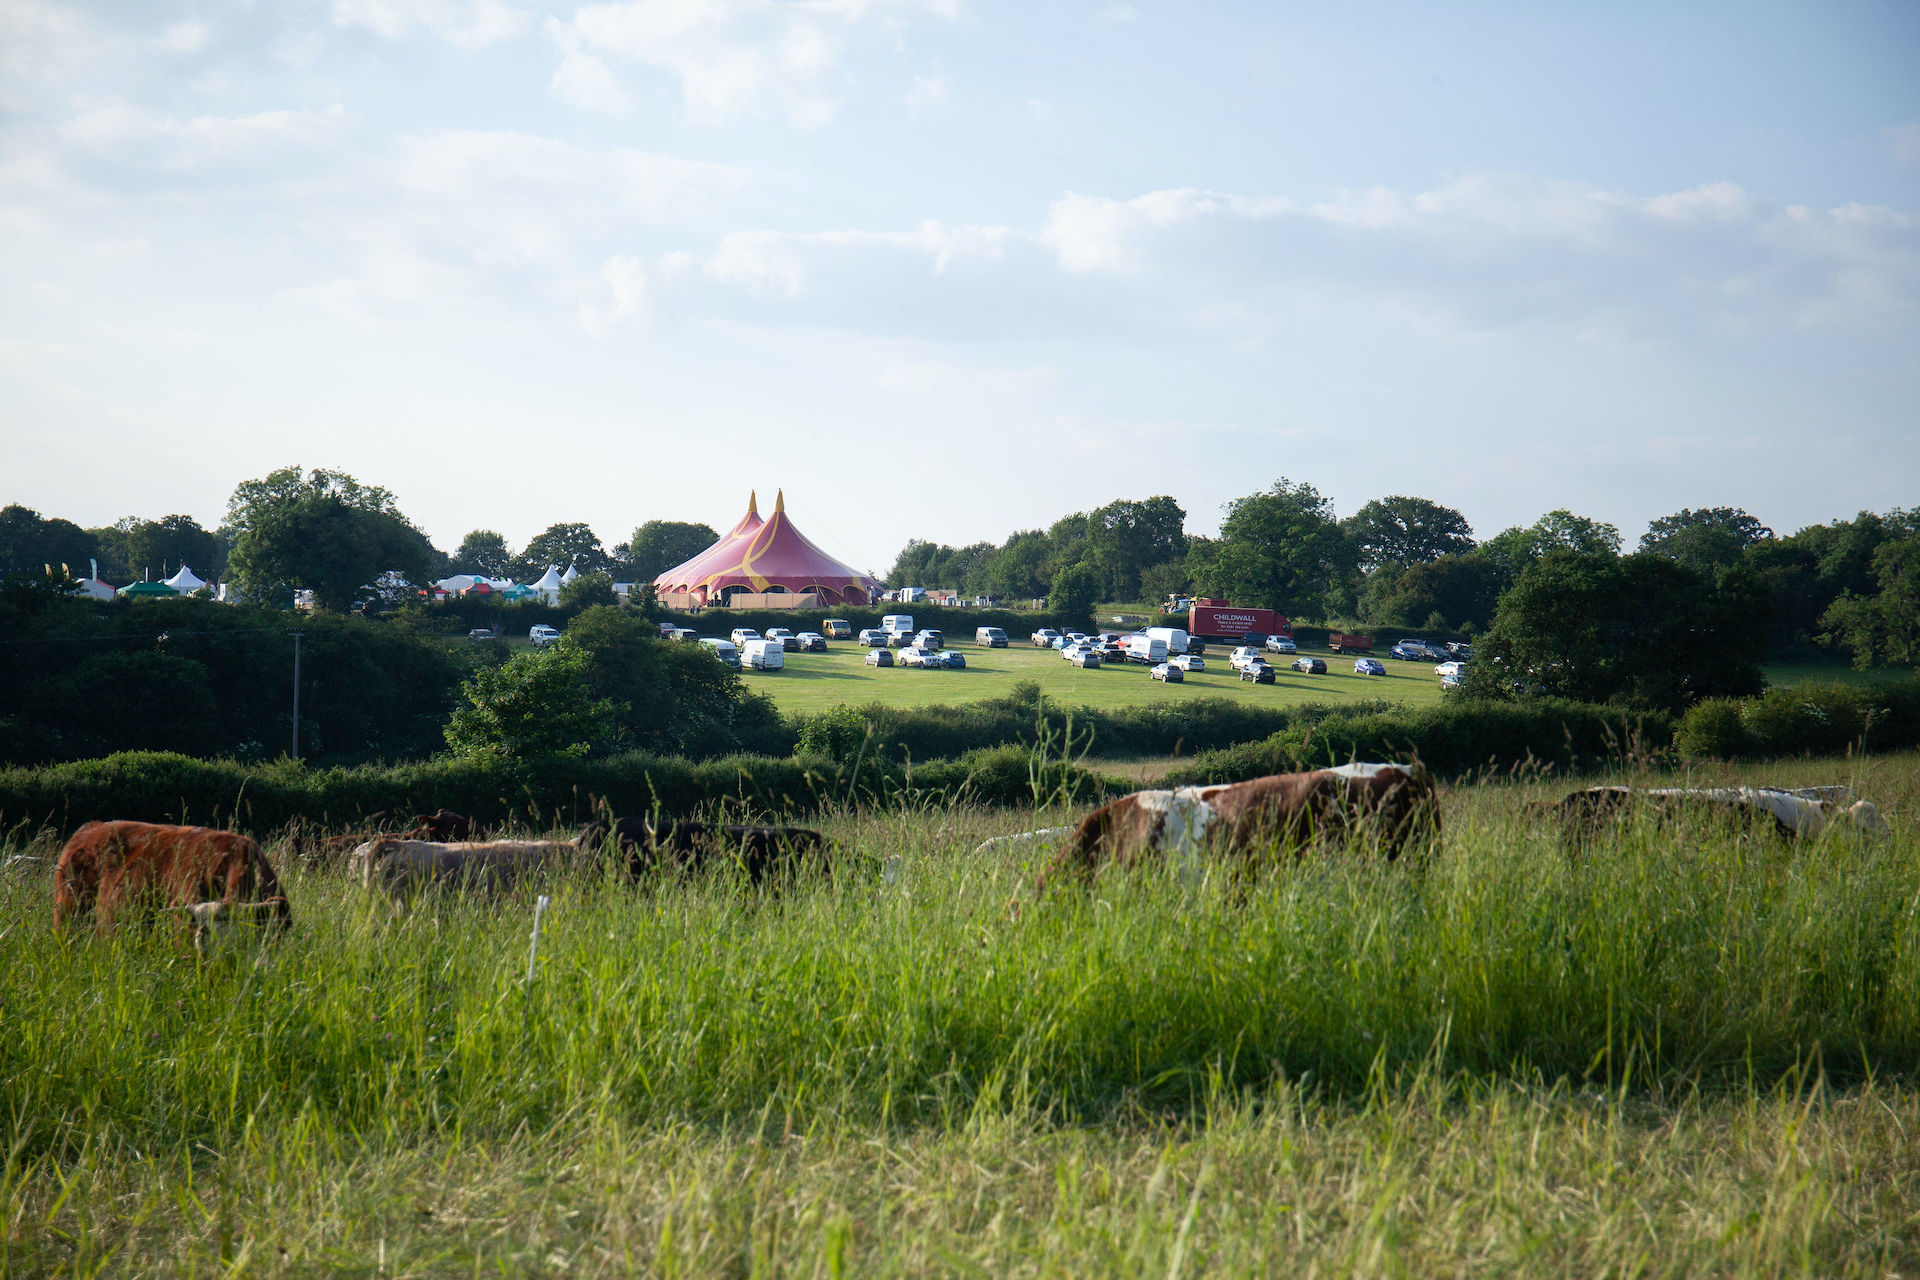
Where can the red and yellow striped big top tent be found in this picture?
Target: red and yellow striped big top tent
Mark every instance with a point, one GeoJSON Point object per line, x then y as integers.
{"type": "Point", "coordinates": [766, 556]}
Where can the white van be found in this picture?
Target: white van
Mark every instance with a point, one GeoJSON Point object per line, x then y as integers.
{"type": "Point", "coordinates": [763, 655]}
{"type": "Point", "coordinates": [1151, 650]}
{"type": "Point", "coordinates": [990, 637]}
{"type": "Point", "coordinates": [725, 650]}
{"type": "Point", "coordinates": [1176, 638]}
{"type": "Point", "coordinates": [912, 595]}
{"type": "Point", "coordinates": [897, 624]}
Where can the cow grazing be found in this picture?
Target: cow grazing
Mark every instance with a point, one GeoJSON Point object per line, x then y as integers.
{"type": "Point", "coordinates": [401, 866]}
{"type": "Point", "coordinates": [440, 826]}
{"type": "Point", "coordinates": [680, 844]}
{"type": "Point", "coordinates": [116, 870]}
{"type": "Point", "coordinates": [1390, 801]}
{"type": "Point", "coordinates": [1794, 814]}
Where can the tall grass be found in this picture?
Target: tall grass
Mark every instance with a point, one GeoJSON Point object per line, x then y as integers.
{"type": "Point", "coordinates": [930, 992]}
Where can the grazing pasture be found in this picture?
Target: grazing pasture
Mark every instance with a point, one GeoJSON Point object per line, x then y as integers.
{"type": "Point", "coordinates": [1688, 1049]}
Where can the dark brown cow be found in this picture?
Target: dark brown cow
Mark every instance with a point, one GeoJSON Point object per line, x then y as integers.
{"type": "Point", "coordinates": [442, 826]}
{"type": "Point", "coordinates": [115, 870]}
{"type": "Point", "coordinates": [1394, 803]}
{"type": "Point", "coordinates": [681, 844]}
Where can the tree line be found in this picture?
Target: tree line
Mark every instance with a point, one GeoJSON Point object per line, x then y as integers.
{"type": "Point", "coordinates": [325, 532]}
{"type": "Point", "coordinates": [1412, 563]}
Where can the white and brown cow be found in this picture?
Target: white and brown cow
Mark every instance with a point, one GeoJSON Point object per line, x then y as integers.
{"type": "Point", "coordinates": [1388, 803]}
{"type": "Point", "coordinates": [1797, 814]}
{"type": "Point", "coordinates": [400, 867]}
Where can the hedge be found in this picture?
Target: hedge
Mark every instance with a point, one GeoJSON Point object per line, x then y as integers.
{"type": "Point", "coordinates": [1454, 739]}
{"type": "Point", "coordinates": [1809, 719]}
{"type": "Point", "coordinates": [154, 786]}
{"type": "Point", "coordinates": [1026, 718]}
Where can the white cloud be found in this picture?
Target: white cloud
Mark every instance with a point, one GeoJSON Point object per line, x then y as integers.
{"type": "Point", "coordinates": [1904, 141]}
{"type": "Point", "coordinates": [926, 91]}
{"type": "Point", "coordinates": [148, 140]}
{"type": "Point", "coordinates": [776, 263]}
{"type": "Point", "coordinates": [470, 24]}
{"type": "Point", "coordinates": [1094, 233]}
{"type": "Point", "coordinates": [728, 56]}
{"type": "Point", "coordinates": [189, 36]}
{"type": "Point", "coordinates": [583, 79]}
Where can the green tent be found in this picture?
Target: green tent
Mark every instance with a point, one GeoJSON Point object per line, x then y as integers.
{"type": "Point", "coordinates": [147, 590]}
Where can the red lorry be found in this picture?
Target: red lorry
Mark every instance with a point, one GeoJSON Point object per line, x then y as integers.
{"type": "Point", "coordinates": [1340, 642]}
{"type": "Point", "coordinates": [1218, 620]}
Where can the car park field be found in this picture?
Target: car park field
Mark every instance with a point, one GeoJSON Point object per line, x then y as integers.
{"type": "Point", "coordinates": [817, 681]}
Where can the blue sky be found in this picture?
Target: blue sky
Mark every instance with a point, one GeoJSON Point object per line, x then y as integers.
{"type": "Point", "coordinates": [947, 269]}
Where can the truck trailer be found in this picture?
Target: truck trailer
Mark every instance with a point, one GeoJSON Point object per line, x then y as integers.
{"type": "Point", "coordinates": [1218, 620]}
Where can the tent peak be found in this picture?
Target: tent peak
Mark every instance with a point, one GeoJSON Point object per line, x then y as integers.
{"type": "Point", "coordinates": [779, 501]}
{"type": "Point", "coordinates": [753, 502]}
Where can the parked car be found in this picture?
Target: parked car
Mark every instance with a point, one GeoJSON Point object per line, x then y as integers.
{"type": "Point", "coordinates": [763, 655]}
{"type": "Point", "coordinates": [1312, 666]}
{"type": "Point", "coordinates": [812, 642]}
{"type": "Point", "coordinates": [541, 635]}
{"type": "Point", "coordinates": [741, 635]}
{"type": "Point", "coordinates": [1260, 672]}
{"type": "Point", "coordinates": [1281, 644]}
{"type": "Point", "coordinates": [930, 638]}
{"type": "Point", "coordinates": [913, 656]}
{"type": "Point", "coordinates": [879, 658]}
{"type": "Point", "coordinates": [1081, 656]}
{"type": "Point", "coordinates": [1409, 651]}
{"type": "Point", "coordinates": [1452, 667]}
{"type": "Point", "coordinates": [873, 638]}
{"type": "Point", "coordinates": [1167, 673]}
{"type": "Point", "coordinates": [1368, 667]}
{"type": "Point", "coordinates": [1195, 645]}
{"type": "Point", "coordinates": [1242, 656]}
{"type": "Point", "coordinates": [1148, 649]}
{"type": "Point", "coordinates": [788, 641]}
{"type": "Point", "coordinates": [1459, 649]}
{"type": "Point", "coordinates": [837, 629]}
{"type": "Point", "coordinates": [900, 639]}
{"type": "Point", "coordinates": [1188, 662]}
{"type": "Point", "coordinates": [990, 637]}
{"type": "Point", "coordinates": [1456, 680]}
{"type": "Point", "coordinates": [1044, 638]}
{"type": "Point", "coordinates": [954, 659]}
{"type": "Point", "coordinates": [725, 650]}
{"type": "Point", "coordinates": [1116, 651]}
{"type": "Point", "coordinates": [685, 633]}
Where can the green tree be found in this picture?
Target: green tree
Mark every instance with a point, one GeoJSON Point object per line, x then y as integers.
{"type": "Point", "coordinates": [920, 564]}
{"type": "Point", "coordinates": [1159, 581]}
{"type": "Point", "coordinates": [28, 543]}
{"type": "Point", "coordinates": [1641, 629]}
{"type": "Point", "coordinates": [1704, 540]}
{"type": "Point", "coordinates": [536, 708]}
{"type": "Point", "coordinates": [1124, 538]}
{"type": "Point", "coordinates": [1281, 549]}
{"type": "Point", "coordinates": [1462, 590]}
{"type": "Point", "coordinates": [1559, 530]}
{"type": "Point", "coordinates": [162, 546]}
{"type": "Point", "coordinates": [1882, 629]}
{"type": "Point", "coordinates": [562, 546]}
{"type": "Point", "coordinates": [483, 551]}
{"type": "Point", "coordinates": [323, 531]}
{"type": "Point", "coordinates": [588, 589]}
{"type": "Point", "coordinates": [659, 545]}
{"type": "Point", "coordinates": [1406, 531]}
{"type": "Point", "coordinates": [1017, 570]}
{"type": "Point", "coordinates": [1076, 589]}
{"type": "Point", "coordinates": [671, 697]}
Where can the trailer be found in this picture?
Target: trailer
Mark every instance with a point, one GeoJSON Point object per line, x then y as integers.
{"type": "Point", "coordinates": [1340, 642]}
{"type": "Point", "coordinates": [1218, 620]}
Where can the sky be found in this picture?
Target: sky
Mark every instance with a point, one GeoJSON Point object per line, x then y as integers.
{"type": "Point", "coordinates": [948, 269]}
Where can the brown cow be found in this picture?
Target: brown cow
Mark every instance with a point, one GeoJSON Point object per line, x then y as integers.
{"type": "Point", "coordinates": [680, 844]}
{"type": "Point", "coordinates": [1390, 801]}
{"type": "Point", "coordinates": [116, 869]}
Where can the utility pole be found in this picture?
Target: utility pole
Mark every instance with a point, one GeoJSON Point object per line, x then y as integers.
{"type": "Point", "coordinates": [296, 693]}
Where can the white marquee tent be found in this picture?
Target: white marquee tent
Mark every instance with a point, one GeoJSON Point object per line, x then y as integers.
{"type": "Point", "coordinates": [186, 582]}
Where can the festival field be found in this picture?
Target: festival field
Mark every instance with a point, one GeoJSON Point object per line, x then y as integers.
{"type": "Point", "coordinates": [1690, 1051]}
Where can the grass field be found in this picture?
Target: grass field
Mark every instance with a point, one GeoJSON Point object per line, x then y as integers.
{"type": "Point", "coordinates": [1690, 1052]}
{"type": "Point", "coordinates": [818, 681]}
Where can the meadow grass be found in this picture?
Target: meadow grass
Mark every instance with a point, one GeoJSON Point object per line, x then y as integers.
{"type": "Point", "coordinates": [1689, 1050]}
{"type": "Point", "coordinates": [814, 682]}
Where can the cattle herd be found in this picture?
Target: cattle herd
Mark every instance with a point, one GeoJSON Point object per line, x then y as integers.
{"type": "Point", "coordinates": [212, 880]}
